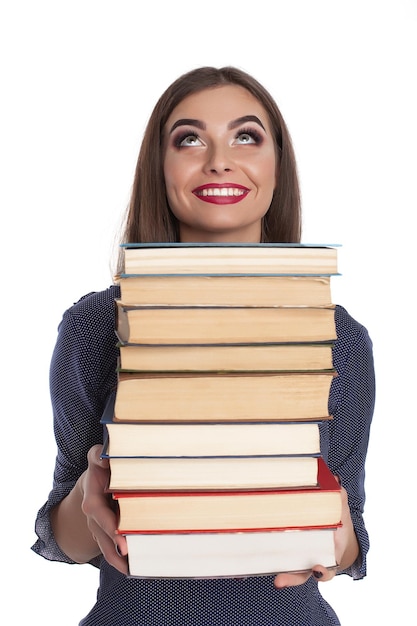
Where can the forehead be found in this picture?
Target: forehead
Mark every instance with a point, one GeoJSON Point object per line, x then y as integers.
{"type": "Point", "coordinates": [219, 105]}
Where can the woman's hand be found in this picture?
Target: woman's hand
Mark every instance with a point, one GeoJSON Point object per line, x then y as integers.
{"type": "Point", "coordinates": [101, 515]}
{"type": "Point", "coordinates": [346, 552]}
{"type": "Point", "coordinates": [84, 523]}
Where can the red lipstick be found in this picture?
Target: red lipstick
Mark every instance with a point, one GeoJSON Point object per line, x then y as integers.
{"type": "Point", "coordinates": [228, 193]}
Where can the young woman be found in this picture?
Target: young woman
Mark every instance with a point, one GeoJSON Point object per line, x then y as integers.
{"type": "Point", "coordinates": [216, 165]}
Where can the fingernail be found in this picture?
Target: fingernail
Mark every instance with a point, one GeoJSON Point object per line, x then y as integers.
{"type": "Point", "coordinates": [317, 574]}
{"type": "Point", "coordinates": [117, 549]}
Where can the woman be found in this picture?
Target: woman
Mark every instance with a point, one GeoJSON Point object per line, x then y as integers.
{"type": "Point", "coordinates": [216, 165]}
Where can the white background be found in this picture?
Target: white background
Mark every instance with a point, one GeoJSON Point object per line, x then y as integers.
{"type": "Point", "coordinates": [78, 82]}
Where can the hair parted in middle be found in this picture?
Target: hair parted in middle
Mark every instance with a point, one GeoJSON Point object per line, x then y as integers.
{"type": "Point", "coordinates": [149, 218]}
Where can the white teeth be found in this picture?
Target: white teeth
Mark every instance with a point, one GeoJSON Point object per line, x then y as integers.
{"type": "Point", "coordinates": [221, 191]}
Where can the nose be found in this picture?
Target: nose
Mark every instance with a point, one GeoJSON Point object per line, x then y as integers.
{"type": "Point", "coordinates": [219, 159]}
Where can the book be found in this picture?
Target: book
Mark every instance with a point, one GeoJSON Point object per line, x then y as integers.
{"type": "Point", "coordinates": [211, 439]}
{"type": "Point", "coordinates": [208, 555]}
{"type": "Point", "coordinates": [211, 473]}
{"type": "Point", "coordinates": [230, 397]}
{"type": "Point", "coordinates": [233, 358]}
{"type": "Point", "coordinates": [225, 290]}
{"type": "Point", "coordinates": [212, 259]}
{"type": "Point", "coordinates": [223, 325]}
{"type": "Point", "coordinates": [232, 510]}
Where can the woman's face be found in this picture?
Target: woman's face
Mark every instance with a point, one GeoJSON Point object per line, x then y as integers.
{"type": "Point", "coordinates": [220, 165]}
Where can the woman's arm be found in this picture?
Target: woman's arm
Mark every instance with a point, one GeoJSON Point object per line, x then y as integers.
{"type": "Point", "coordinates": [84, 523]}
{"type": "Point", "coordinates": [70, 528]}
{"type": "Point", "coordinates": [345, 443]}
{"type": "Point", "coordinates": [82, 376]}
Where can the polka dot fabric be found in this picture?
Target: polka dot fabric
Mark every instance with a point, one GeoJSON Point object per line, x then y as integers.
{"type": "Point", "coordinates": [83, 372]}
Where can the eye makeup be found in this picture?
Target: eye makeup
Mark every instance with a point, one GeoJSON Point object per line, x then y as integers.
{"type": "Point", "coordinates": [250, 132]}
{"type": "Point", "coordinates": [180, 140]}
{"type": "Point", "coordinates": [188, 138]}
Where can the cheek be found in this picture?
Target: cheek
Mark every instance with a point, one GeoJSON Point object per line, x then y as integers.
{"type": "Point", "coordinates": [175, 189]}
{"type": "Point", "coordinates": [273, 167]}
{"type": "Point", "coordinates": [176, 175]}
{"type": "Point", "coordinates": [169, 174]}
{"type": "Point", "coordinates": [268, 176]}
{"type": "Point", "coordinates": [265, 169]}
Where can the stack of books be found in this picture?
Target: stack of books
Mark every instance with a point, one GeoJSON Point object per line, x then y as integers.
{"type": "Point", "coordinates": [213, 432]}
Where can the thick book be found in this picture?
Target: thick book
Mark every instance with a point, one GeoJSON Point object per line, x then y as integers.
{"type": "Point", "coordinates": [213, 473]}
{"type": "Point", "coordinates": [232, 397]}
{"type": "Point", "coordinates": [233, 358]}
{"type": "Point", "coordinates": [223, 325]}
{"type": "Point", "coordinates": [212, 439]}
{"type": "Point", "coordinates": [234, 259]}
{"type": "Point", "coordinates": [191, 290]}
{"type": "Point", "coordinates": [237, 510]}
{"type": "Point", "coordinates": [216, 555]}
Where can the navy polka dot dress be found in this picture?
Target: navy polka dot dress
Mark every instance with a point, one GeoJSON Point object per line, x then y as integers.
{"type": "Point", "coordinates": [83, 372]}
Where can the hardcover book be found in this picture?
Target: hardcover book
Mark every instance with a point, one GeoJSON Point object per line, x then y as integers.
{"type": "Point", "coordinates": [223, 325]}
{"type": "Point", "coordinates": [211, 473]}
{"type": "Point", "coordinates": [208, 555]}
{"type": "Point", "coordinates": [182, 397]}
{"type": "Point", "coordinates": [189, 290]}
{"type": "Point", "coordinates": [233, 358]}
{"type": "Point", "coordinates": [232, 510]}
{"type": "Point", "coordinates": [265, 258]}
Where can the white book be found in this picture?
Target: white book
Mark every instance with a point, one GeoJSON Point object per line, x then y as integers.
{"type": "Point", "coordinates": [228, 554]}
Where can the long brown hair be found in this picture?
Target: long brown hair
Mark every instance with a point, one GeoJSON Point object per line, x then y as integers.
{"type": "Point", "coordinates": [149, 218]}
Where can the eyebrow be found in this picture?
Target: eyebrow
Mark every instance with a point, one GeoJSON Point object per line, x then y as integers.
{"type": "Point", "coordinates": [243, 120]}
{"type": "Point", "coordinates": [231, 125]}
{"type": "Point", "coordinates": [188, 122]}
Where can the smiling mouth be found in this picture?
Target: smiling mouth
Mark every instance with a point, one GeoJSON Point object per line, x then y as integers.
{"type": "Point", "coordinates": [221, 195]}
{"type": "Point", "coordinates": [222, 191]}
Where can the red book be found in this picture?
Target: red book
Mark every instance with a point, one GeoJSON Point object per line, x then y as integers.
{"type": "Point", "coordinates": [232, 510]}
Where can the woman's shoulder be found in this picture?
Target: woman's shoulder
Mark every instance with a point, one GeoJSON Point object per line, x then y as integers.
{"type": "Point", "coordinates": [97, 305]}
{"type": "Point", "coordinates": [95, 301]}
{"type": "Point", "coordinates": [352, 336]}
{"type": "Point", "coordinates": [346, 325]}
{"type": "Point", "coordinates": [93, 313]}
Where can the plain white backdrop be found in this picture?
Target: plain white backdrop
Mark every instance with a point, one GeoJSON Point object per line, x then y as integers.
{"type": "Point", "coordinates": [78, 82]}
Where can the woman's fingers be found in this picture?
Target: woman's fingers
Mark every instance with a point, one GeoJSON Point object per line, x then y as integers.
{"type": "Point", "coordinates": [101, 514]}
{"type": "Point", "coordinates": [114, 551]}
{"type": "Point", "coordinates": [291, 580]}
{"type": "Point", "coordinates": [323, 574]}
{"type": "Point", "coordinates": [320, 573]}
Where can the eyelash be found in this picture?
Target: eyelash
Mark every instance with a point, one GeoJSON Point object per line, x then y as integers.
{"type": "Point", "coordinates": [180, 138]}
{"type": "Point", "coordinates": [257, 137]}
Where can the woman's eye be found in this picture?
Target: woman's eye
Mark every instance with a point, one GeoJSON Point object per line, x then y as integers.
{"type": "Point", "coordinates": [248, 137]}
{"type": "Point", "coordinates": [185, 141]}
{"type": "Point", "coordinates": [245, 138]}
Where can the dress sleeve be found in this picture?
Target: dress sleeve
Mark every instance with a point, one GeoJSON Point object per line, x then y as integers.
{"type": "Point", "coordinates": [352, 400]}
{"type": "Point", "coordinates": [81, 376]}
